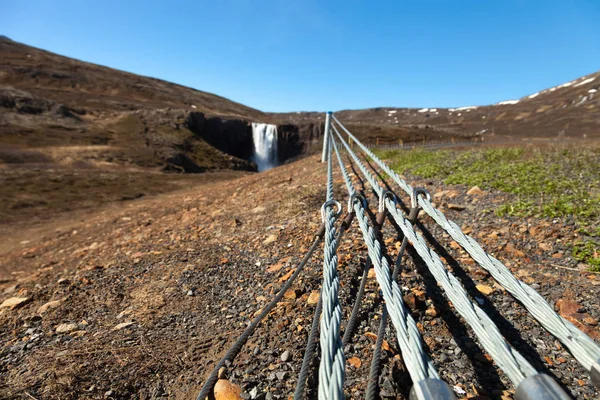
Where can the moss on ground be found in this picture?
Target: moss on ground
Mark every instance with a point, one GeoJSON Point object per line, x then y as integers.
{"type": "Point", "coordinates": [555, 182]}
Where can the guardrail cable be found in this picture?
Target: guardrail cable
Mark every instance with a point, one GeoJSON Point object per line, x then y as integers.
{"type": "Point", "coordinates": [373, 380]}
{"type": "Point", "coordinates": [311, 343]}
{"type": "Point", "coordinates": [508, 359]}
{"type": "Point", "coordinates": [417, 363]}
{"type": "Point", "coordinates": [583, 348]}
{"type": "Point", "coordinates": [233, 351]}
{"type": "Point", "coordinates": [332, 365]}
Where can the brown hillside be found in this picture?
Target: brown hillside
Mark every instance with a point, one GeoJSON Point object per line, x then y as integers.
{"type": "Point", "coordinates": [567, 110]}
{"type": "Point", "coordinates": [49, 101]}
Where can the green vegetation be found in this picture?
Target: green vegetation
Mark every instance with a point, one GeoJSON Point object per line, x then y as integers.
{"type": "Point", "coordinates": [547, 182]}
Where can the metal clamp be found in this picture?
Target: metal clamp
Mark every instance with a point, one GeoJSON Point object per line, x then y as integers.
{"type": "Point", "coordinates": [431, 389]}
{"type": "Point", "coordinates": [595, 374]}
{"type": "Point", "coordinates": [540, 387]}
{"type": "Point", "coordinates": [386, 193]}
{"type": "Point", "coordinates": [414, 198]}
{"type": "Point", "coordinates": [356, 196]}
{"type": "Point", "coordinates": [330, 203]}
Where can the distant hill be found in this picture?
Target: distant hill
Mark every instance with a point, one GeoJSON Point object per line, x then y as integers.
{"type": "Point", "coordinates": [568, 110]}
{"type": "Point", "coordinates": [71, 112]}
{"type": "Point", "coordinates": [76, 83]}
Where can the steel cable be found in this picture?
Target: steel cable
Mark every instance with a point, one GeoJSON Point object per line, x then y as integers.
{"type": "Point", "coordinates": [373, 380]}
{"type": "Point", "coordinates": [311, 342]}
{"type": "Point", "coordinates": [583, 348]}
{"type": "Point", "coordinates": [332, 365]}
{"type": "Point", "coordinates": [417, 363]}
{"type": "Point", "coordinates": [208, 386]}
{"type": "Point", "coordinates": [516, 367]}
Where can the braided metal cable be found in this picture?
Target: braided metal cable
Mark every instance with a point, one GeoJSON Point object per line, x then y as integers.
{"type": "Point", "coordinates": [208, 386]}
{"type": "Point", "coordinates": [417, 363]}
{"type": "Point", "coordinates": [583, 348]}
{"type": "Point", "coordinates": [372, 382]}
{"type": "Point", "coordinates": [311, 343]}
{"type": "Point", "coordinates": [332, 365]}
{"type": "Point", "coordinates": [516, 367]}
{"type": "Point", "coordinates": [349, 329]}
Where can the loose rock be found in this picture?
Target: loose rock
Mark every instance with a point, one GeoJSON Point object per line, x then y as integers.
{"type": "Point", "coordinates": [475, 191]}
{"type": "Point", "coordinates": [313, 298]}
{"type": "Point", "coordinates": [15, 302]}
{"type": "Point", "coordinates": [226, 390]}
{"type": "Point", "coordinates": [485, 289]}
{"type": "Point", "coordinates": [66, 328]}
{"type": "Point", "coordinates": [49, 305]}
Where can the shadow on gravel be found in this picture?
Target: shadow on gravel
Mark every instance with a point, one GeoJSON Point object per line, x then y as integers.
{"type": "Point", "coordinates": [399, 373]}
{"type": "Point", "coordinates": [507, 329]}
{"type": "Point", "coordinates": [355, 282]}
{"type": "Point", "coordinates": [487, 377]}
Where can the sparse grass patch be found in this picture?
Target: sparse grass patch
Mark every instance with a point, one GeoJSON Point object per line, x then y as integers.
{"type": "Point", "coordinates": [424, 163]}
{"type": "Point", "coordinates": [589, 253]}
{"type": "Point", "coordinates": [550, 182]}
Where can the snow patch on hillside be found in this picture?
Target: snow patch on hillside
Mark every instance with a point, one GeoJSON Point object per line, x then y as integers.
{"type": "Point", "coordinates": [584, 82]}
{"type": "Point", "coordinates": [467, 108]}
{"type": "Point", "coordinates": [507, 102]}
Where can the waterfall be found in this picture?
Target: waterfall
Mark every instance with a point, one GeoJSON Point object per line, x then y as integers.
{"type": "Point", "coordinates": [265, 146]}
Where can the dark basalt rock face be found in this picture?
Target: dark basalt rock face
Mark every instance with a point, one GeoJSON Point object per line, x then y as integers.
{"type": "Point", "coordinates": [294, 141]}
{"type": "Point", "coordinates": [234, 136]}
{"type": "Point", "coordinates": [231, 136]}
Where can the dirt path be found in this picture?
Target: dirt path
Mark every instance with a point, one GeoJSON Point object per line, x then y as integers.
{"type": "Point", "coordinates": [140, 301]}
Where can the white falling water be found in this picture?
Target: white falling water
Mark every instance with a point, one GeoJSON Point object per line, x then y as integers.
{"type": "Point", "coordinates": [265, 145]}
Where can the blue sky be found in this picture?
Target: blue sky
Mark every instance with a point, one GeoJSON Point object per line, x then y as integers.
{"type": "Point", "coordinates": [287, 55]}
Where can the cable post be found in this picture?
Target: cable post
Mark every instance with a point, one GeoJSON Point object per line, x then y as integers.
{"type": "Point", "coordinates": [326, 136]}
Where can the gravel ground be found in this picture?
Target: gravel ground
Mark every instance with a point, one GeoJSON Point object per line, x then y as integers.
{"type": "Point", "coordinates": [141, 301]}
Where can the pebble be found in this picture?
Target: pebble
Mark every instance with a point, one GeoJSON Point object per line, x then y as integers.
{"type": "Point", "coordinates": [49, 305]}
{"type": "Point", "coordinates": [123, 325]}
{"type": "Point", "coordinates": [226, 390]}
{"type": "Point", "coordinates": [487, 290]}
{"type": "Point", "coordinates": [282, 375]}
{"type": "Point", "coordinates": [270, 239]}
{"type": "Point", "coordinates": [313, 298]}
{"type": "Point", "coordinates": [66, 328]}
{"type": "Point", "coordinates": [254, 392]}
{"type": "Point", "coordinates": [15, 302]}
{"type": "Point", "coordinates": [475, 191]}
{"type": "Point", "coordinates": [286, 356]}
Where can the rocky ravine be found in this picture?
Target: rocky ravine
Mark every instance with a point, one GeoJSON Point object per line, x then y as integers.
{"type": "Point", "coordinates": [140, 301]}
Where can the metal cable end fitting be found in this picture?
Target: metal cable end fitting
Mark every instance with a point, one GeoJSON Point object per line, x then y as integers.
{"type": "Point", "coordinates": [386, 193]}
{"type": "Point", "coordinates": [414, 198]}
{"type": "Point", "coordinates": [431, 389]}
{"type": "Point", "coordinates": [330, 203]}
{"type": "Point", "coordinates": [540, 387]}
{"type": "Point", "coordinates": [356, 196]}
{"type": "Point", "coordinates": [595, 374]}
